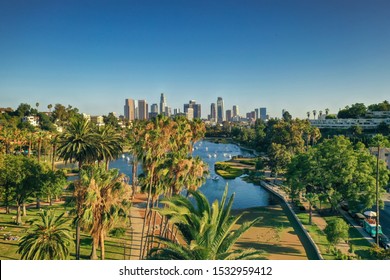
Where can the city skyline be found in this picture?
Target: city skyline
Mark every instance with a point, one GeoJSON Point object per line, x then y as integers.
{"type": "Point", "coordinates": [298, 56]}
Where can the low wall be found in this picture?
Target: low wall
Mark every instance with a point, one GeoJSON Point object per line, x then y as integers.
{"type": "Point", "coordinates": [311, 248]}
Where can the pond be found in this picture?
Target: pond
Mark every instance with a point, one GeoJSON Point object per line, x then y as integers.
{"type": "Point", "coordinates": [247, 195]}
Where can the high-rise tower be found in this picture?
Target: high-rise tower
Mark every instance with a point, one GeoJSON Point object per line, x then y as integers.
{"type": "Point", "coordinates": [213, 113]}
{"type": "Point", "coordinates": [220, 110]}
{"type": "Point", "coordinates": [143, 112]}
{"type": "Point", "coordinates": [163, 104]}
{"type": "Point", "coordinates": [129, 111]}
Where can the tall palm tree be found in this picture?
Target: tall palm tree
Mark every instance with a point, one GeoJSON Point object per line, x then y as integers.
{"type": "Point", "coordinates": [106, 195]}
{"type": "Point", "coordinates": [49, 240]}
{"type": "Point", "coordinates": [314, 114]}
{"type": "Point", "coordinates": [308, 115]}
{"type": "Point", "coordinates": [326, 111]}
{"type": "Point", "coordinates": [109, 144]}
{"type": "Point", "coordinates": [78, 143]}
{"type": "Point", "coordinates": [207, 230]}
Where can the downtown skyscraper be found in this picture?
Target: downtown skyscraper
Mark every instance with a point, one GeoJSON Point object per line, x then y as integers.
{"type": "Point", "coordinates": [213, 113]}
{"type": "Point", "coordinates": [220, 110]}
{"type": "Point", "coordinates": [129, 109]}
{"type": "Point", "coordinates": [163, 104]}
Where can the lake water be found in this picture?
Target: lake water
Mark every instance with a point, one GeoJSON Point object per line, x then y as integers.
{"type": "Point", "coordinates": [246, 194]}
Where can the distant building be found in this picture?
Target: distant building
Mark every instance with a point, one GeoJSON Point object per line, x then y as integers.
{"type": "Point", "coordinates": [154, 108]}
{"type": "Point", "coordinates": [98, 120]}
{"type": "Point", "coordinates": [190, 114]}
{"type": "Point", "coordinates": [152, 115]}
{"type": "Point", "coordinates": [228, 115]}
{"type": "Point", "coordinates": [129, 109]}
{"type": "Point", "coordinates": [251, 116]}
{"type": "Point", "coordinates": [263, 113]}
{"type": "Point", "coordinates": [143, 112]}
{"type": "Point", "coordinates": [347, 123]}
{"type": "Point", "coordinates": [235, 111]}
{"type": "Point", "coordinates": [384, 154]}
{"type": "Point", "coordinates": [197, 111]}
{"type": "Point", "coordinates": [213, 113]}
{"type": "Point", "coordinates": [257, 113]}
{"type": "Point", "coordinates": [220, 110]}
{"type": "Point", "coordinates": [33, 120]}
{"type": "Point", "coordinates": [163, 104]}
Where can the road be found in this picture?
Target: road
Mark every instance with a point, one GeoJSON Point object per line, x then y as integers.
{"type": "Point", "coordinates": [384, 217]}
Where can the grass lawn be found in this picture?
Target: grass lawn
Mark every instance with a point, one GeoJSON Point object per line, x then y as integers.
{"type": "Point", "coordinates": [227, 170]}
{"type": "Point", "coordinates": [318, 236]}
{"type": "Point", "coordinates": [360, 246]}
{"type": "Point", "coordinates": [114, 247]}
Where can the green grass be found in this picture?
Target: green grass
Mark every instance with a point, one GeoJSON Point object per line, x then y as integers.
{"type": "Point", "coordinates": [114, 247]}
{"type": "Point", "coordinates": [360, 246]}
{"type": "Point", "coordinates": [227, 171]}
{"type": "Point", "coordinates": [318, 236]}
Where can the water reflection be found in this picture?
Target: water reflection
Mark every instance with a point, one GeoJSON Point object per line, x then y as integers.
{"type": "Point", "coordinates": [246, 194]}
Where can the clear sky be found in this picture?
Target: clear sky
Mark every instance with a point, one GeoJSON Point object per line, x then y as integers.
{"type": "Point", "coordinates": [290, 54]}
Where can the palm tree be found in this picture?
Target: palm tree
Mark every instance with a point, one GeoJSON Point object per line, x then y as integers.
{"type": "Point", "coordinates": [49, 240]}
{"type": "Point", "coordinates": [106, 195]}
{"type": "Point", "coordinates": [308, 115]}
{"type": "Point", "coordinates": [109, 144]}
{"type": "Point", "coordinates": [320, 113]}
{"type": "Point", "coordinates": [326, 111]}
{"type": "Point", "coordinates": [78, 143]}
{"type": "Point", "coordinates": [49, 107]}
{"type": "Point", "coordinates": [314, 114]}
{"type": "Point", "coordinates": [207, 230]}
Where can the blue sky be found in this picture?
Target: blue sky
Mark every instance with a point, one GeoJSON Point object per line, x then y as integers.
{"type": "Point", "coordinates": [294, 55]}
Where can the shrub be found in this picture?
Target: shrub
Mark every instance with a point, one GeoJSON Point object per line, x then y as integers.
{"type": "Point", "coordinates": [118, 232]}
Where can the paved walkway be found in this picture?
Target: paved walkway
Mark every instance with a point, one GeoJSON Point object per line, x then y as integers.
{"type": "Point", "coordinates": [137, 218]}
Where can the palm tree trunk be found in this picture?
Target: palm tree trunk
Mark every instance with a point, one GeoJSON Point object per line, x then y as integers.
{"type": "Point", "coordinates": [53, 157]}
{"type": "Point", "coordinates": [77, 239]}
{"type": "Point", "coordinates": [95, 244]}
{"type": "Point", "coordinates": [29, 147]}
{"type": "Point", "coordinates": [39, 149]}
{"type": "Point", "coordinates": [102, 249]}
{"type": "Point", "coordinates": [146, 211]}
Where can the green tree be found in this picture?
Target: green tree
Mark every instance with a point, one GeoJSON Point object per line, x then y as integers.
{"type": "Point", "coordinates": [207, 230]}
{"type": "Point", "coordinates": [109, 144]}
{"type": "Point", "coordinates": [49, 239]}
{"type": "Point", "coordinates": [78, 143]}
{"type": "Point", "coordinates": [106, 197]}
{"type": "Point", "coordinates": [336, 230]}
{"type": "Point", "coordinates": [312, 198]}
{"type": "Point", "coordinates": [20, 178]}
{"type": "Point", "coordinates": [356, 110]}
{"type": "Point", "coordinates": [279, 158]}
